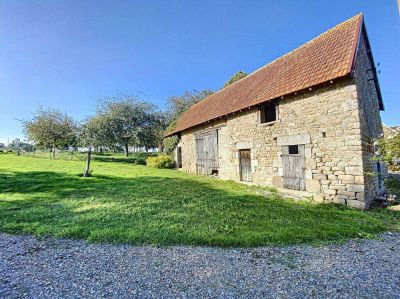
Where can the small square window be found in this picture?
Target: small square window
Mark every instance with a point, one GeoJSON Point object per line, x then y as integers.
{"type": "Point", "coordinates": [293, 149]}
{"type": "Point", "coordinates": [268, 113]}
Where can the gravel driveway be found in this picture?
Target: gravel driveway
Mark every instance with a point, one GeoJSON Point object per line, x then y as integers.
{"type": "Point", "coordinates": [59, 268]}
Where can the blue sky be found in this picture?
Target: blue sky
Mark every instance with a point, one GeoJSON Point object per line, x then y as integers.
{"type": "Point", "coordinates": [66, 54]}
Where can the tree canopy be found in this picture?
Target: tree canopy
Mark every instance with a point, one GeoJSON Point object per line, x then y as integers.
{"type": "Point", "coordinates": [152, 131]}
{"type": "Point", "coordinates": [176, 105]}
{"type": "Point", "coordinates": [129, 121]}
{"type": "Point", "coordinates": [236, 77]}
{"type": "Point", "coordinates": [50, 128]}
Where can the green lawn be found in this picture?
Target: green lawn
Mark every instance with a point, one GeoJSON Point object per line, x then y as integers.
{"type": "Point", "coordinates": [124, 203]}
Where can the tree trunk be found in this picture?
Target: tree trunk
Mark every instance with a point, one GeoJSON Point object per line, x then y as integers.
{"type": "Point", "coordinates": [146, 149]}
{"type": "Point", "coordinates": [50, 152]}
{"type": "Point", "coordinates": [54, 151]}
{"type": "Point", "coordinates": [126, 150]}
{"type": "Point", "coordinates": [86, 173]}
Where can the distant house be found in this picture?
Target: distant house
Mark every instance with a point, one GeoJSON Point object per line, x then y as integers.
{"type": "Point", "coordinates": [305, 121]}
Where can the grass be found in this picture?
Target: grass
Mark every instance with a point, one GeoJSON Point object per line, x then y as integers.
{"type": "Point", "coordinates": [124, 203]}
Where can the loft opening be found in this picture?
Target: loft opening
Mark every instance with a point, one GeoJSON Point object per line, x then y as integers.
{"type": "Point", "coordinates": [268, 113]}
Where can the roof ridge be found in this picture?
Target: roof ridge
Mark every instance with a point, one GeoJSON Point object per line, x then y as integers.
{"type": "Point", "coordinates": [307, 43]}
{"type": "Point", "coordinates": [284, 55]}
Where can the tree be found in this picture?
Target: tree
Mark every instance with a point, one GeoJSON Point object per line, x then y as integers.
{"type": "Point", "coordinates": [176, 105]}
{"type": "Point", "coordinates": [50, 129]}
{"type": "Point", "coordinates": [17, 145]}
{"type": "Point", "coordinates": [389, 150]}
{"type": "Point", "coordinates": [104, 130]}
{"type": "Point", "coordinates": [169, 144]}
{"type": "Point", "coordinates": [125, 116]}
{"type": "Point", "coordinates": [236, 77]}
{"type": "Point", "coordinates": [91, 134]}
{"type": "Point", "coordinates": [151, 133]}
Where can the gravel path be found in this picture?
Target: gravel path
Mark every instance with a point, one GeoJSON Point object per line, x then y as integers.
{"type": "Point", "coordinates": [60, 268]}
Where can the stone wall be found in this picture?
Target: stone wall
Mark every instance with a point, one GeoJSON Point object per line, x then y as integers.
{"type": "Point", "coordinates": [331, 122]}
{"type": "Point", "coordinates": [371, 124]}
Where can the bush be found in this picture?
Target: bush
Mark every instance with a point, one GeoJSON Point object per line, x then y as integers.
{"type": "Point", "coordinates": [138, 158]}
{"type": "Point", "coordinates": [141, 158]}
{"type": "Point", "coordinates": [162, 161]}
{"type": "Point", "coordinates": [393, 186]}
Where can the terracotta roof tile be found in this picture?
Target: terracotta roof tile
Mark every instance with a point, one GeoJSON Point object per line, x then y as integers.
{"type": "Point", "coordinates": [327, 57]}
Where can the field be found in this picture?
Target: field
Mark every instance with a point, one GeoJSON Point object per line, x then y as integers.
{"type": "Point", "coordinates": [126, 203]}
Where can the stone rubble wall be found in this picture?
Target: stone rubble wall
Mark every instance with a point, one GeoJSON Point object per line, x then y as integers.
{"type": "Point", "coordinates": [369, 115]}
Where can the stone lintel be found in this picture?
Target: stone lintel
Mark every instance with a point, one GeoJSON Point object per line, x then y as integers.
{"type": "Point", "coordinates": [293, 139]}
{"type": "Point", "coordinates": [244, 145]}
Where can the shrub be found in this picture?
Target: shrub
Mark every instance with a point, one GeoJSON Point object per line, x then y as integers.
{"type": "Point", "coordinates": [138, 158]}
{"type": "Point", "coordinates": [389, 149]}
{"type": "Point", "coordinates": [393, 186]}
{"type": "Point", "coordinates": [141, 158]}
{"type": "Point", "coordinates": [161, 161]}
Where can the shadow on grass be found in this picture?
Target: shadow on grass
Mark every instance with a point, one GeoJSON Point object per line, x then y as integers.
{"type": "Point", "coordinates": [171, 211]}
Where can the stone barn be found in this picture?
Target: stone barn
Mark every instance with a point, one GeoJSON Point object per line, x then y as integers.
{"type": "Point", "coordinates": [306, 121]}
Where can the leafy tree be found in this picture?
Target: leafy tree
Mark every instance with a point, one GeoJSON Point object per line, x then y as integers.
{"type": "Point", "coordinates": [236, 77]}
{"type": "Point", "coordinates": [389, 149]}
{"type": "Point", "coordinates": [91, 134]}
{"type": "Point", "coordinates": [104, 131]}
{"type": "Point", "coordinates": [151, 133]}
{"type": "Point", "coordinates": [50, 129]}
{"type": "Point", "coordinates": [125, 116]}
{"type": "Point", "coordinates": [170, 143]}
{"type": "Point", "coordinates": [176, 105]}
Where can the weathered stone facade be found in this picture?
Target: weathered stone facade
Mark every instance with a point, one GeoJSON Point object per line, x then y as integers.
{"type": "Point", "coordinates": [371, 124]}
{"type": "Point", "coordinates": [335, 123]}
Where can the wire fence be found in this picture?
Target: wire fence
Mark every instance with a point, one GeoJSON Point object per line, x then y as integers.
{"type": "Point", "coordinates": [59, 155]}
{"type": "Point", "coordinates": [135, 158]}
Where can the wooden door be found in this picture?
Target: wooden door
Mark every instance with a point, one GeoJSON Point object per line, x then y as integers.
{"type": "Point", "coordinates": [179, 157]}
{"type": "Point", "coordinates": [293, 167]}
{"type": "Point", "coordinates": [210, 152]}
{"type": "Point", "coordinates": [245, 165]}
{"type": "Point", "coordinates": [207, 152]}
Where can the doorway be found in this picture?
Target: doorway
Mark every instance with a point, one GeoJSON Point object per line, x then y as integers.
{"type": "Point", "coordinates": [245, 165]}
{"type": "Point", "coordinates": [293, 160]}
{"type": "Point", "coordinates": [179, 157]}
